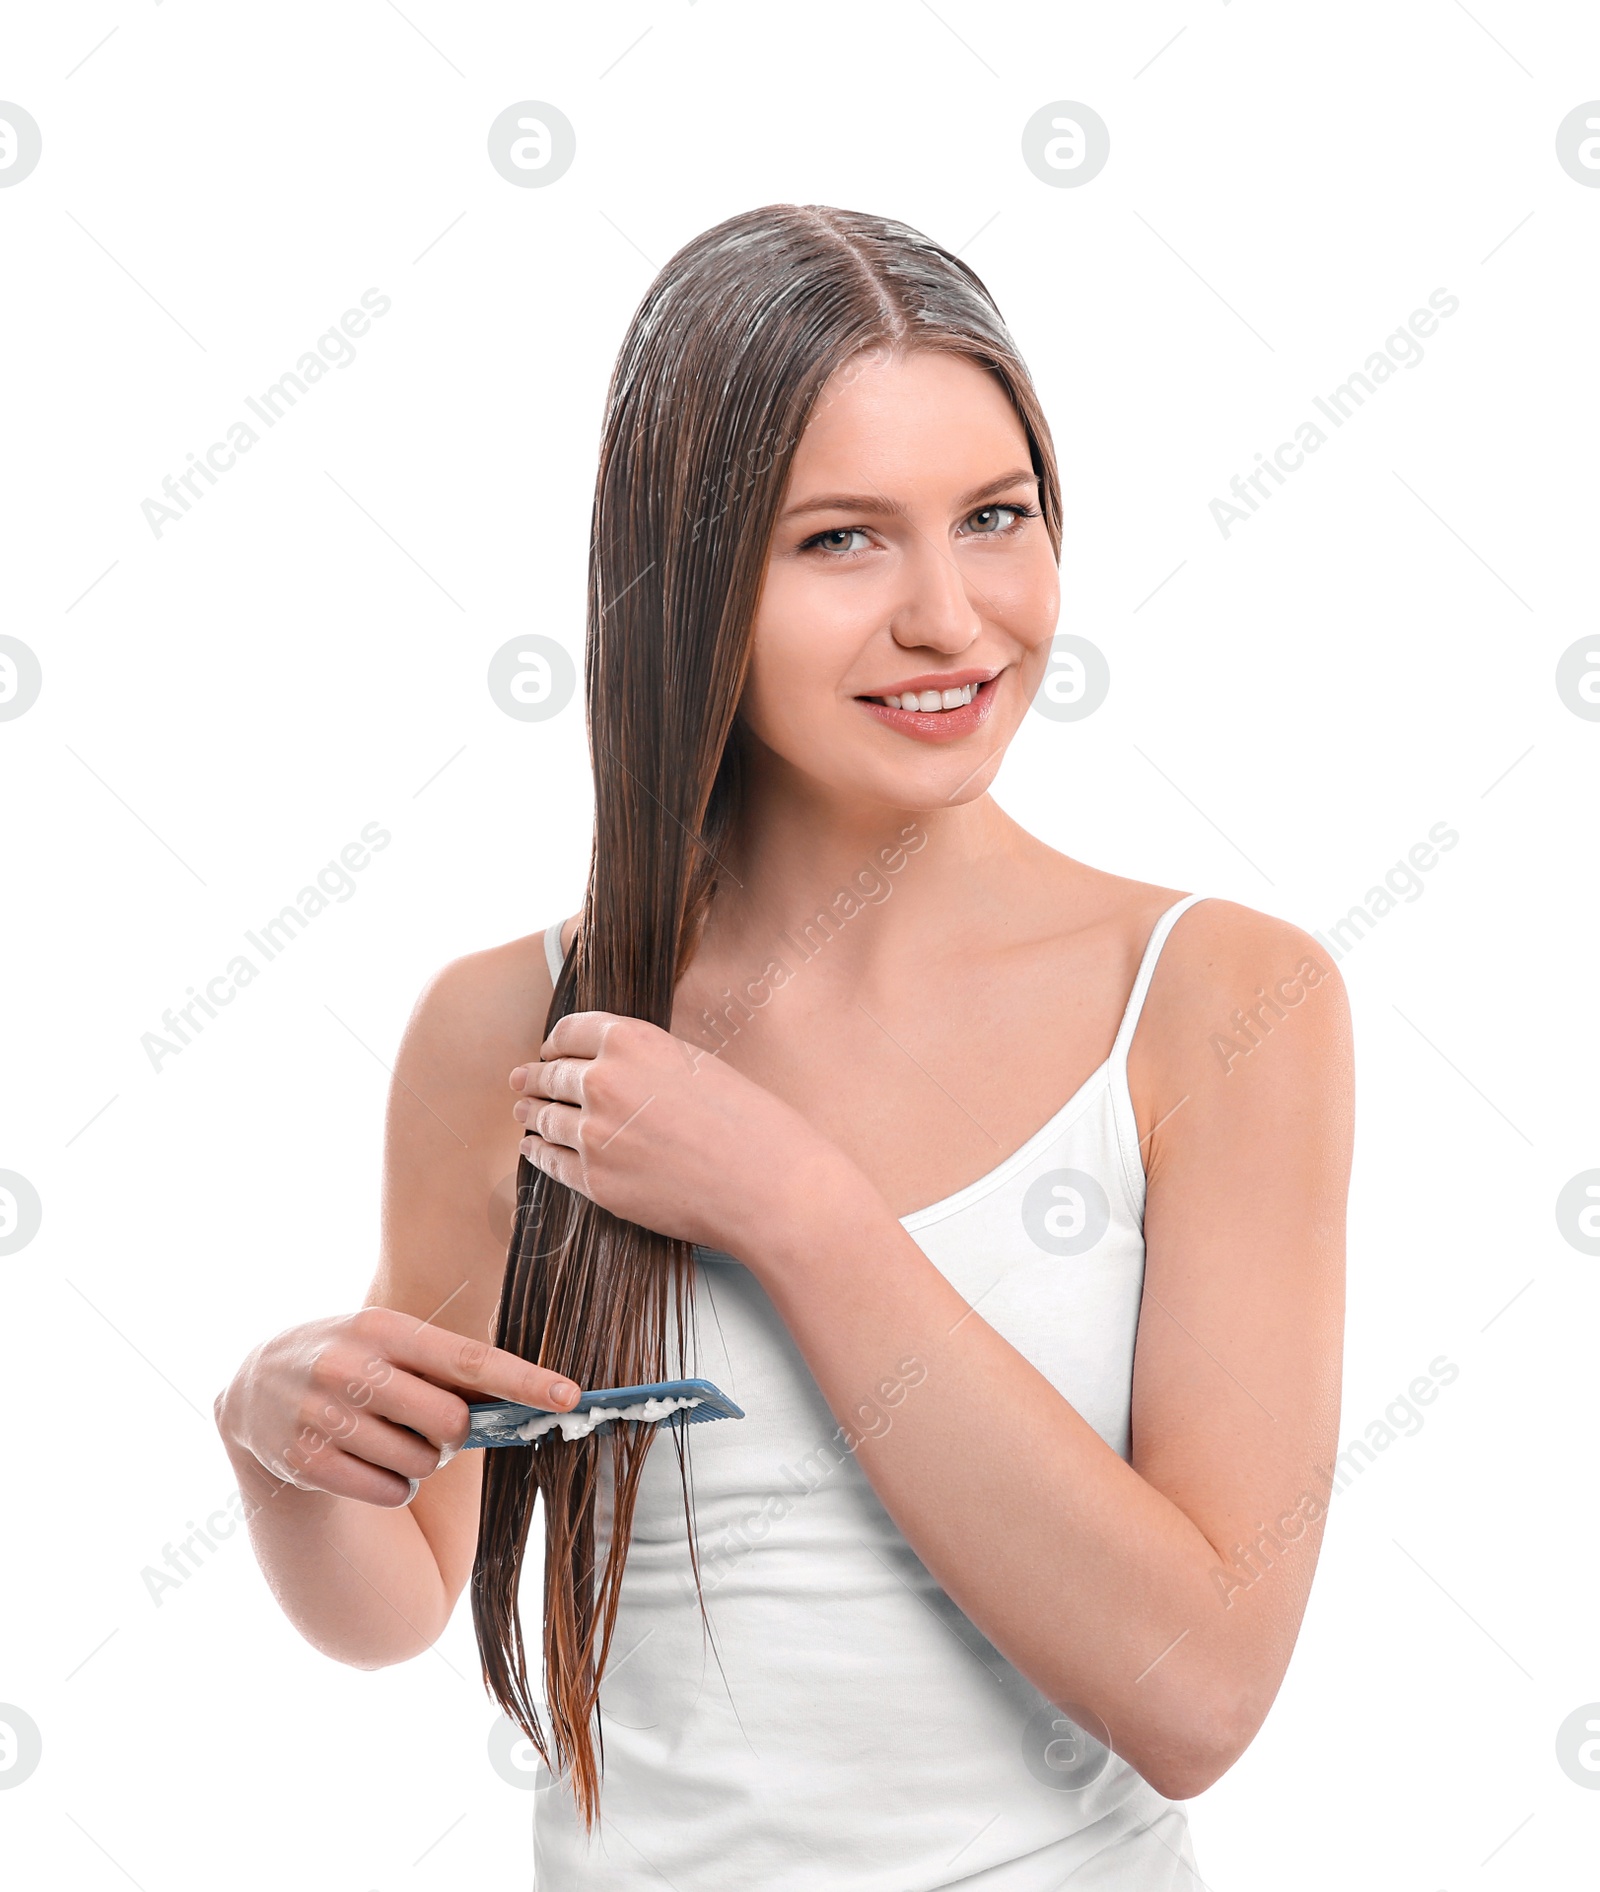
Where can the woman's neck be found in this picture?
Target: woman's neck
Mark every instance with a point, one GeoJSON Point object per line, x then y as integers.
{"type": "Point", "coordinates": [873, 881]}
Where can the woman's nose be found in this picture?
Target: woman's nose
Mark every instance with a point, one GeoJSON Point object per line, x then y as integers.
{"type": "Point", "coordinates": [937, 609]}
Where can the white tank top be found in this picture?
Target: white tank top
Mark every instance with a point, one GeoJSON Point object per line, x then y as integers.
{"type": "Point", "coordinates": [850, 1727]}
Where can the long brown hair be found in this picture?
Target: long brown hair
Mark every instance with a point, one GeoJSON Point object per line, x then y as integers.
{"type": "Point", "coordinates": [721, 366]}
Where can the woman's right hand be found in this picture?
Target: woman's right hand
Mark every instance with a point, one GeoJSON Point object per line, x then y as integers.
{"type": "Point", "coordinates": [366, 1405]}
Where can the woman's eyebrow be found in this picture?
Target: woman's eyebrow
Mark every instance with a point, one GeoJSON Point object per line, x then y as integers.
{"type": "Point", "coordinates": [890, 508]}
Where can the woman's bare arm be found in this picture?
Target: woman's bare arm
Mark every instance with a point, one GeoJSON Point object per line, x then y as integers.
{"type": "Point", "coordinates": [347, 1406]}
{"type": "Point", "coordinates": [1109, 1584]}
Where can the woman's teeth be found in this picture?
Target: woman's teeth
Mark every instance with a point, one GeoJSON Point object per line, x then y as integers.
{"type": "Point", "coordinates": [930, 699]}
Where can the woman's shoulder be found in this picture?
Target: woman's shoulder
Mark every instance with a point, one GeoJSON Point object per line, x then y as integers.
{"type": "Point", "coordinates": [1228, 978]}
{"type": "Point", "coordinates": [1220, 947]}
{"type": "Point", "coordinates": [1214, 939]}
{"type": "Point", "coordinates": [486, 1009]}
{"type": "Point", "coordinates": [1217, 956]}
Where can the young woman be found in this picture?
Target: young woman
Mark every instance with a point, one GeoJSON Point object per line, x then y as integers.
{"type": "Point", "coordinates": [1004, 1194]}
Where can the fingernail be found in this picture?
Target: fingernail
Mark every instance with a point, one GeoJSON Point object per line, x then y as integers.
{"type": "Point", "coordinates": [416, 1486]}
{"type": "Point", "coordinates": [520, 1109]}
{"type": "Point", "coordinates": [563, 1389]}
{"type": "Point", "coordinates": [517, 1076]}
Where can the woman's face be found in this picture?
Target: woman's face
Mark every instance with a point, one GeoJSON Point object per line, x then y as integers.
{"type": "Point", "coordinates": [908, 556]}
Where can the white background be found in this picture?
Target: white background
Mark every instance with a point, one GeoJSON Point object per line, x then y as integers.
{"type": "Point", "coordinates": [1292, 708]}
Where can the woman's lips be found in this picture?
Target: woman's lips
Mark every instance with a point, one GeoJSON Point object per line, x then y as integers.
{"type": "Point", "coordinates": [937, 725]}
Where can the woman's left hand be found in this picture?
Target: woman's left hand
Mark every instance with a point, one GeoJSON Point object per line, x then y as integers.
{"type": "Point", "coordinates": [663, 1133]}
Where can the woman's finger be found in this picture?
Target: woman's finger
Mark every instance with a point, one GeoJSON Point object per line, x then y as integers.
{"type": "Point", "coordinates": [560, 1080]}
{"type": "Point", "coordinates": [556, 1161]}
{"type": "Point", "coordinates": [330, 1426]}
{"type": "Point", "coordinates": [473, 1368]}
{"type": "Point", "coordinates": [337, 1400]}
{"type": "Point", "coordinates": [577, 1035]}
{"type": "Point", "coordinates": [555, 1123]}
{"type": "Point", "coordinates": [394, 1448]}
{"type": "Point", "coordinates": [323, 1465]}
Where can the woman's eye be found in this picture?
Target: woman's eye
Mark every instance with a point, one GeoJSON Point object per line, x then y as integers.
{"type": "Point", "coordinates": [994, 521]}
{"type": "Point", "coordinates": [839, 539]}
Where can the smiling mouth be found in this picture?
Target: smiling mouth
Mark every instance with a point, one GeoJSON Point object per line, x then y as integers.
{"type": "Point", "coordinates": [929, 702]}
{"type": "Point", "coordinates": [937, 700]}
{"type": "Point", "coordinates": [936, 715]}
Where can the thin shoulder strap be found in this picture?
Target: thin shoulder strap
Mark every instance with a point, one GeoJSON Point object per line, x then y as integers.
{"type": "Point", "coordinates": [1141, 983]}
{"type": "Point", "coordinates": [553, 955]}
{"type": "Point", "coordinates": [1121, 1099]}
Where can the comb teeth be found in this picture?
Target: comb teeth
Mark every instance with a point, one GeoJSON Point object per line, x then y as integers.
{"type": "Point", "coordinates": [498, 1422]}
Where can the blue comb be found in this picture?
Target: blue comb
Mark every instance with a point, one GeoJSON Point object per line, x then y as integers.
{"type": "Point", "coordinates": [498, 1423]}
